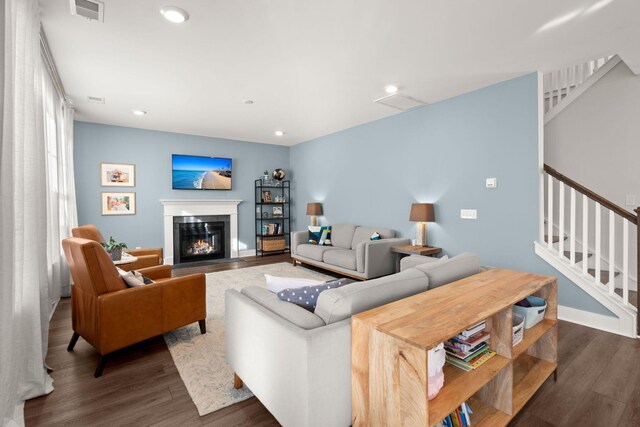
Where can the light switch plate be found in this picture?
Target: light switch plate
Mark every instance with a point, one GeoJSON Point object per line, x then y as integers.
{"type": "Point", "coordinates": [468, 214]}
{"type": "Point", "coordinates": [492, 183]}
{"type": "Point", "coordinates": [631, 200]}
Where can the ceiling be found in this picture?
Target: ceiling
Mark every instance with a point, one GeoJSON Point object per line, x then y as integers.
{"type": "Point", "coordinates": [314, 67]}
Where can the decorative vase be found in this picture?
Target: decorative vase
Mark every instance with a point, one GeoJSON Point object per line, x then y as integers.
{"type": "Point", "coordinates": [278, 174]}
{"type": "Point", "coordinates": [116, 254]}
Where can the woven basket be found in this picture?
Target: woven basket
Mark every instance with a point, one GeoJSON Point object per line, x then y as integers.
{"type": "Point", "coordinates": [273, 244]}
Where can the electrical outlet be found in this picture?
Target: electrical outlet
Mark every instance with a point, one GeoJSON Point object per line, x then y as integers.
{"type": "Point", "coordinates": [631, 200]}
{"type": "Point", "coordinates": [468, 214]}
{"type": "Point", "coordinates": [492, 183]}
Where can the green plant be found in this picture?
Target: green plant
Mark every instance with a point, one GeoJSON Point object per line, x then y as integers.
{"type": "Point", "coordinates": [112, 245]}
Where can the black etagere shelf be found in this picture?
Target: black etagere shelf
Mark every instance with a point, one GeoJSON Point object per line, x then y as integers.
{"type": "Point", "coordinates": [272, 216]}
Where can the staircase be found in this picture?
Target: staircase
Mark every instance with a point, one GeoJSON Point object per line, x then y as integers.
{"type": "Point", "coordinates": [563, 86]}
{"type": "Point", "coordinates": [577, 219]}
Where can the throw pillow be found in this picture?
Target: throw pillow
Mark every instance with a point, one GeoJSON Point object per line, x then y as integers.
{"type": "Point", "coordinates": [134, 279]}
{"type": "Point", "coordinates": [276, 284]}
{"type": "Point", "coordinates": [145, 279]}
{"type": "Point", "coordinates": [320, 235]}
{"type": "Point", "coordinates": [307, 296]}
{"type": "Point", "coordinates": [375, 236]}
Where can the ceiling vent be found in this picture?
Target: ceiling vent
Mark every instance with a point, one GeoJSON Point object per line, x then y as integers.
{"type": "Point", "coordinates": [95, 100]}
{"type": "Point", "coordinates": [93, 10]}
{"type": "Point", "coordinates": [399, 102]}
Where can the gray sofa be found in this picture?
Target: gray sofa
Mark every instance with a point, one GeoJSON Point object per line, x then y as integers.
{"type": "Point", "coordinates": [352, 252]}
{"type": "Point", "coordinates": [298, 363]}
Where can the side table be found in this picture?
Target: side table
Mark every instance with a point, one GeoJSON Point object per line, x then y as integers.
{"type": "Point", "coordinates": [126, 259]}
{"type": "Point", "coordinates": [406, 250]}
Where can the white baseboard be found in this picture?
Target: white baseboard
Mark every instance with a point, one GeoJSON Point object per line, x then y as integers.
{"type": "Point", "coordinates": [593, 320]}
{"type": "Point", "coordinates": [247, 252]}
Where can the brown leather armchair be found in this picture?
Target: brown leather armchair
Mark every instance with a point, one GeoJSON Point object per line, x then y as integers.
{"type": "Point", "coordinates": [110, 315]}
{"type": "Point", "coordinates": [146, 257]}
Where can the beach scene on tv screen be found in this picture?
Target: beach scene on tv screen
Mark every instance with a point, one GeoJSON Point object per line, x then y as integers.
{"type": "Point", "coordinates": [201, 173]}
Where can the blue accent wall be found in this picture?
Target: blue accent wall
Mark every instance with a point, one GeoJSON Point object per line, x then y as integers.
{"type": "Point", "coordinates": [151, 152]}
{"type": "Point", "coordinates": [367, 175]}
{"type": "Point", "coordinates": [441, 153]}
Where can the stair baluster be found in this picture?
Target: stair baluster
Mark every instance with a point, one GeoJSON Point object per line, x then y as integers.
{"type": "Point", "coordinates": [625, 263]}
{"type": "Point", "coordinates": [612, 252]}
{"type": "Point", "coordinates": [598, 245]}
{"type": "Point", "coordinates": [616, 292]}
{"type": "Point", "coordinates": [572, 228]}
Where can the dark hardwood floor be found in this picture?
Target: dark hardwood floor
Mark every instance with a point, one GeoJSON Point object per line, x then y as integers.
{"type": "Point", "coordinates": [598, 382]}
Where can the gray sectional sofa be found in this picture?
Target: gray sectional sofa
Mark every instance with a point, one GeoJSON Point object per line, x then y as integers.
{"type": "Point", "coordinates": [352, 252]}
{"type": "Point", "coordinates": [297, 362]}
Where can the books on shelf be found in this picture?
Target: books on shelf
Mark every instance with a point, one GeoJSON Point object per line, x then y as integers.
{"type": "Point", "coordinates": [466, 344]}
{"type": "Point", "coordinates": [458, 418]}
{"type": "Point", "coordinates": [475, 363]}
{"type": "Point", "coordinates": [473, 330]}
{"type": "Point", "coordinates": [271, 229]}
{"type": "Point", "coordinates": [468, 352]}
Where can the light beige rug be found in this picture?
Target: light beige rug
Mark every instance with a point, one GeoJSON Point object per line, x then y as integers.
{"type": "Point", "coordinates": [200, 358]}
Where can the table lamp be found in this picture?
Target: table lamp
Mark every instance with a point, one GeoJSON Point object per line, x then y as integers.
{"type": "Point", "coordinates": [422, 213]}
{"type": "Point", "coordinates": [314, 209]}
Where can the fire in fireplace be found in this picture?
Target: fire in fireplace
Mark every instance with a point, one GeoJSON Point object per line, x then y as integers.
{"type": "Point", "coordinates": [201, 247]}
{"type": "Point", "coordinates": [200, 238]}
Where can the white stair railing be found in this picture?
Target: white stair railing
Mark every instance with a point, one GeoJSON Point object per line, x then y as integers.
{"type": "Point", "coordinates": [560, 83]}
{"type": "Point", "coordinates": [593, 206]}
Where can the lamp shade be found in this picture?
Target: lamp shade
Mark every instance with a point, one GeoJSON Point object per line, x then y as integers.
{"type": "Point", "coordinates": [314, 208]}
{"type": "Point", "coordinates": [422, 212]}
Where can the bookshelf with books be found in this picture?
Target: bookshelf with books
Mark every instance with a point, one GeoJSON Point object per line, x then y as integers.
{"type": "Point", "coordinates": [495, 390]}
{"type": "Point", "coordinates": [272, 221]}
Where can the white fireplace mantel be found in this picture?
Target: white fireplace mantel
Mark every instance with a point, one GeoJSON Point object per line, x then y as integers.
{"type": "Point", "coordinates": [197, 207]}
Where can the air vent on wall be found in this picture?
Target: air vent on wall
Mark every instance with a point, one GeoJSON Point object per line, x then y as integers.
{"type": "Point", "coordinates": [90, 9]}
{"type": "Point", "coordinates": [399, 102]}
{"type": "Point", "coordinates": [95, 99]}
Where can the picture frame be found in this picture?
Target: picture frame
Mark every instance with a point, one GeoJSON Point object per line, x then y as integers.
{"type": "Point", "coordinates": [117, 175]}
{"type": "Point", "coordinates": [277, 212]}
{"type": "Point", "coordinates": [118, 203]}
{"type": "Point", "coordinates": [266, 197]}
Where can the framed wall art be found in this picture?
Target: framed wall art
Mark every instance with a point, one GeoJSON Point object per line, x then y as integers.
{"type": "Point", "coordinates": [117, 175]}
{"type": "Point", "coordinates": [118, 203]}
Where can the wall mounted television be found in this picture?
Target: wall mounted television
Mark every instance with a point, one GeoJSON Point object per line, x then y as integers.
{"type": "Point", "coordinates": [200, 173]}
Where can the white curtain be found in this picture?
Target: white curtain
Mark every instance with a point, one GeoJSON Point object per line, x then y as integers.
{"type": "Point", "coordinates": [61, 201]}
{"type": "Point", "coordinates": [24, 289]}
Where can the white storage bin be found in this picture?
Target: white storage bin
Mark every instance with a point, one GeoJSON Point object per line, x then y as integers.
{"type": "Point", "coordinates": [436, 357]}
{"type": "Point", "coordinates": [518, 328]}
{"type": "Point", "coordinates": [534, 314]}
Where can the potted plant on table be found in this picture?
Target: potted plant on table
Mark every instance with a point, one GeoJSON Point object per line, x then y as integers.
{"type": "Point", "coordinates": [114, 249]}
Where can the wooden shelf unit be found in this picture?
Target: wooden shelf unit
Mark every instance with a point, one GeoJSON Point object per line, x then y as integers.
{"type": "Point", "coordinates": [390, 344]}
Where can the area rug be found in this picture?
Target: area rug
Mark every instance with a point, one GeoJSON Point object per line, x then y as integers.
{"type": "Point", "coordinates": [200, 358]}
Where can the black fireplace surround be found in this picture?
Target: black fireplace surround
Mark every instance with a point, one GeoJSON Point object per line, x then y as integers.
{"type": "Point", "coordinates": [201, 238]}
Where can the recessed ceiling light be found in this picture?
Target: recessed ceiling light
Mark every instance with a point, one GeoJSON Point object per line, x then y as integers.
{"type": "Point", "coordinates": [279, 133]}
{"type": "Point", "coordinates": [139, 112]}
{"type": "Point", "coordinates": [247, 101]}
{"type": "Point", "coordinates": [391, 88]}
{"type": "Point", "coordinates": [174, 14]}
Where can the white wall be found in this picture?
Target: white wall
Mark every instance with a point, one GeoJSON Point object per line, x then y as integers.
{"type": "Point", "coordinates": [596, 142]}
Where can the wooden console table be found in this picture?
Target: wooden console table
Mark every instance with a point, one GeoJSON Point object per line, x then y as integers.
{"type": "Point", "coordinates": [389, 347]}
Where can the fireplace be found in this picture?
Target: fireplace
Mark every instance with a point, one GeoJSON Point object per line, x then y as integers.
{"type": "Point", "coordinates": [177, 210]}
{"type": "Point", "coordinates": [200, 238]}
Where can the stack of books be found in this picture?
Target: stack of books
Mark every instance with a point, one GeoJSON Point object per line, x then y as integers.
{"type": "Point", "coordinates": [458, 418]}
{"type": "Point", "coordinates": [469, 350]}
